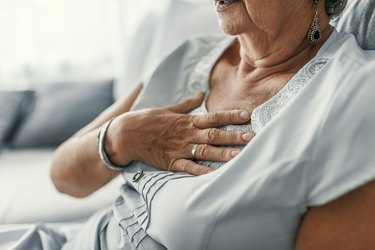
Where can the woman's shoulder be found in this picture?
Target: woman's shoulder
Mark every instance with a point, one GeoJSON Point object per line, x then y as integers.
{"type": "Point", "coordinates": [350, 74]}
{"type": "Point", "coordinates": [345, 59]}
{"type": "Point", "coordinates": [342, 159]}
{"type": "Point", "coordinates": [165, 83]}
{"type": "Point", "coordinates": [193, 48]}
{"type": "Point", "coordinates": [188, 52]}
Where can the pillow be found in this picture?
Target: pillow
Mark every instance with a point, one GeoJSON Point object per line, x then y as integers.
{"type": "Point", "coordinates": [359, 19]}
{"type": "Point", "coordinates": [10, 111]}
{"type": "Point", "coordinates": [59, 110]}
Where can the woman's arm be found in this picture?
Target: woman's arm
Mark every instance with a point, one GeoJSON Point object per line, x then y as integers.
{"type": "Point", "coordinates": [346, 223]}
{"type": "Point", "coordinates": [76, 166]}
{"type": "Point", "coordinates": [161, 137]}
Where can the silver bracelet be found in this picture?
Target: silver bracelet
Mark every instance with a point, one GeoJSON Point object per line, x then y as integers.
{"type": "Point", "coordinates": [103, 153]}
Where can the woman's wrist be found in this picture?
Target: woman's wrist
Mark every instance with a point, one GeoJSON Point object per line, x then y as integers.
{"type": "Point", "coordinates": [110, 148]}
{"type": "Point", "coordinates": [107, 149]}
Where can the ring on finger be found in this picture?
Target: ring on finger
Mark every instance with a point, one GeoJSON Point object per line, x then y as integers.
{"type": "Point", "coordinates": [194, 150]}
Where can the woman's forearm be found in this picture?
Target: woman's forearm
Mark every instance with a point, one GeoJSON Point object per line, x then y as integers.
{"type": "Point", "coordinates": [76, 166]}
{"type": "Point", "coordinates": [77, 169]}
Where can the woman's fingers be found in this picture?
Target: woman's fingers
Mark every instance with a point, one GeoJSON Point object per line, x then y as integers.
{"type": "Point", "coordinates": [188, 105]}
{"type": "Point", "coordinates": [219, 119]}
{"type": "Point", "coordinates": [211, 153]}
{"type": "Point", "coordinates": [216, 136]}
{"type": "Point", "coordinates": [188, 166]}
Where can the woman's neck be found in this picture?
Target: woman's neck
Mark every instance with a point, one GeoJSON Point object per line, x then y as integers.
{"type": "Point", "coordinates": [258, 61]}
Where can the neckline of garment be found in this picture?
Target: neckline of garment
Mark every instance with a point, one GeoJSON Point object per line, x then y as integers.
{"type": "Point", "coordinates": [255, 116]}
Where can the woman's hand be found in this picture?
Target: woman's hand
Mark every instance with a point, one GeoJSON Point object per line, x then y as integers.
{"type": "Point", "coordinates": [164, 137]}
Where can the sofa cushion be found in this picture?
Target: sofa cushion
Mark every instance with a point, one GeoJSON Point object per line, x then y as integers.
{"type": "Point", "coordinates": [27, 194]}
{"type": "Point", "coordinates": [10, 109]}
{"type": "Point", "coordinates": [59, 110]}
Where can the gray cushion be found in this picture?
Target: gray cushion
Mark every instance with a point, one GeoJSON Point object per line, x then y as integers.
{"type": "Point", "coordinates": [359, 19]}
{"type": "Point", "coordinates": [10, 108]}
{"type": "Point", "coordinates": [59, 110]}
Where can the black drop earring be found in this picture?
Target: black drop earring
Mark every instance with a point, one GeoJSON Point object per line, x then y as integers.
{"type": "Point", "coordinates": [315, 32]}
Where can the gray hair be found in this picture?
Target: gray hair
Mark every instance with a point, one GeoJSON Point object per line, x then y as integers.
{"type": "Point", "coordinates": [335, 7]}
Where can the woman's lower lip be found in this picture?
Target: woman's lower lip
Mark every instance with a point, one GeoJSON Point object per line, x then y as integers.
{"type": "Point", "coordinates": [221, 6]}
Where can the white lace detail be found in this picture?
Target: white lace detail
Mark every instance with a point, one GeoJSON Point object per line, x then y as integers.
{"type": "Point", "coordinates": [265, 112]}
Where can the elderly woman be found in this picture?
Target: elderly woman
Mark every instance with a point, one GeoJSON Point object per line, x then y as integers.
{"type": "Point", "coordinates": [304, 181]}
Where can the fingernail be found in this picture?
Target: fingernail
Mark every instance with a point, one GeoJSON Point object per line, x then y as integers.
{"type": "Point", "coordinates": [247, 136]}
{"type": "Point", "coordinates": [245, 115]}
{"type": "Point", "coordinates": [235, 153]}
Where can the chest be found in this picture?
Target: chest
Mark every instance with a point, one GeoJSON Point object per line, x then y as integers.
{"type": "Point", "coordinates": [231, 91]}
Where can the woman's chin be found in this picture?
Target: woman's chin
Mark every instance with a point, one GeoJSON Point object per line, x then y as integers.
{"type": "Point", "coordinates": [232, 17]}
{"type": "Point", "coordinates": [230, 28]}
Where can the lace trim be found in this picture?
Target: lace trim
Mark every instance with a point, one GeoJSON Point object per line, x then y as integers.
{"type": "Point", "coordinates": [268, 110]}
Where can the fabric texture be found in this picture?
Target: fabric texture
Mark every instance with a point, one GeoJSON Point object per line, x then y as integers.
{"type": "Point", "coordinates": [345, 162]}
{"type": "Point", "coordinates": [59, 110]}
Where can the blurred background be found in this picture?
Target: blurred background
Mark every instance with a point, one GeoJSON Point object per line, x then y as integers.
{"type": "Point", "coordinates": [44, 41]}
